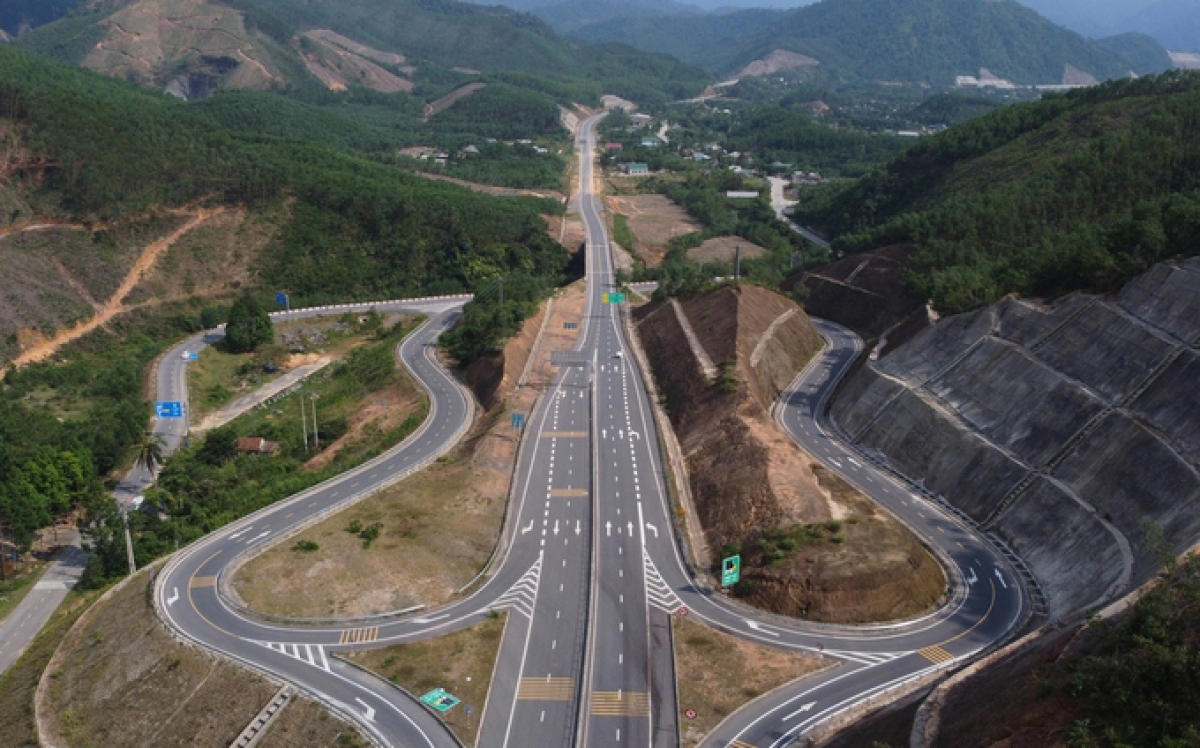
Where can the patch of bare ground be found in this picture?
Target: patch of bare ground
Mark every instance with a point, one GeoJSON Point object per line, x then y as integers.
{"type": "Point", "coordinates": [489, 189]}
{"type": "Point", "coordinates": [461, 663]}
{"type": "Point", "coordinates": [434, 108]}
{"type": "Point", "coordinates": [120, 679]}
{"type": "Point", "coordinates": [717, 674]}
{"type": "Point", "coordinates": [812, 546]}
{"type": "Point", "coordinates": [379, 412]}
{"type": "Point", "coordinates": [115, 303]}
{"type": "Point", "coordinates": [863, 291]}
{"type": "Point", "coordinates": [214, 258]}
{"type": "Point", "coordinates": [438, 526]}
{"type": "Point", "coordinates": [723, 249]}
{"type": "Point", "coordinates": [654, 219]}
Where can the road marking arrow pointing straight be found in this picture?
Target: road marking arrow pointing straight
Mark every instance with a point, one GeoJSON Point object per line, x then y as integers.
{"type": "Point", "coordinates": [758, 627]}
{"type": "Point", "coordinates": [1001, 578]}
{"type": "Point", "coordinates": [265, 533]}
{"type": "Point", "coordinates": [608, 528]}
{"type": "Point", "coordinates": [577, 530]}
{"type": "Point", "coordinates": [370, 713]}
{"type": "Point", "coordinates": [801, 710]}
{"type": "Point", "coordinates": [555, 527]}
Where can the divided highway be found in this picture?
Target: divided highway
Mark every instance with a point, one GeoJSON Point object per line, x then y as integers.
{"type": "Point", "coordinates": [588, 568]}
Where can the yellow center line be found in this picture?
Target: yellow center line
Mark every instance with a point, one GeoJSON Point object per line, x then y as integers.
{"type": "Point", "coordinates": [987, 613]}
{"type": "Point", "coordinates": [193, 602]}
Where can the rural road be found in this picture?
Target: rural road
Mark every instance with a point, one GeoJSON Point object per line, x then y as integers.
{"type": "Point", "coordinates": [32, 613]}
{"type": "Point", "coordinates": [779, 204]}
{"type": "Point", "coordinates": [589, 568]}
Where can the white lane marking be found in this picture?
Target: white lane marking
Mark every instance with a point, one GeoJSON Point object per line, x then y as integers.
{"type": "Point", "coordinates": [370, 713]}
{"type": "Point", "coordinates": [240, 533]}
{"type": "Point", "coordinates": [259, 536]}
{"type": "Point", "coordinates": [431, 619]}
{"type": "Point", "coordinates": [608, 528]}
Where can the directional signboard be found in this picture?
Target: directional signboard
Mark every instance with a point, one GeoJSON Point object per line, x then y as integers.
{"type": "Point", "coordinates": [518, 420]}
{"type": "Point", "coordinates": [614, 298]}
{"type": "Point", "coordinates": [168, 409]}
{"type": "Point", "coordinates": [439, 699]}
{"type": "Point", "coordinates": [281, 298]}
{"type": "Point", "coordinates": [731, 570]}
{"type": "Point", "coordinates": [570, 325]}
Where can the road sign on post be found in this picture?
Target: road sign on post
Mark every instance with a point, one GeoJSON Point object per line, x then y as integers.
{"type": "Point", "coordinates": [731, 570]}
{"type": "Point", "coordinates": [281, 298]}
{"type": "Point", "coordinates": [614, 298]}
{"type": "Point", "coordinates": [518, 420]}
{"type": "Point", "coordinates": [168, 409]}
{"type": "Point", "coordinates": [439, 699]}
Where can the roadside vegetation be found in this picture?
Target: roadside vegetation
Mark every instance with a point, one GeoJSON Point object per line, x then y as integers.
{"type": "Point", "coordinates": [461, 663]}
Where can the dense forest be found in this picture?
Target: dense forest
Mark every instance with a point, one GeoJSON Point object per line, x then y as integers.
{"type": "Point", "coordinates": [1077, 191]}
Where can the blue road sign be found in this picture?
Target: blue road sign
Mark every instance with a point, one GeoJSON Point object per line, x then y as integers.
{"type": "Point", "coordinates": [518, 420]}
{"type": "Point", "coordinates": [168, 409]}
{"type": "Point", "coordinates": [192, 356]}
{"type": "Point", "coordinates": [281, 298]}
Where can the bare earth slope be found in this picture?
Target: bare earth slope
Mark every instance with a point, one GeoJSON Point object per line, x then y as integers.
{"type": "Point", "coordinates": [750, 482]}
{"type": "Point", "coordinates": [1059, 428]}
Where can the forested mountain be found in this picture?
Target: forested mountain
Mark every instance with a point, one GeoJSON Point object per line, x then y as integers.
{"type": "Point", "coordinates": [568, 16]}
{"type": "Point", "coordinates": [1076, 191]}
{"type": "Point", "coordinates": [895, 40]}
{"type": "Point", "coordinates": [192, 48]}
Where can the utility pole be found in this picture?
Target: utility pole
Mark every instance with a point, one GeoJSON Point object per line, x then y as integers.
{"type": "Point", "coordinates": [304, 422]}
{"type": "Point", "coordinates": [316, 434]}
{"type": "Point", "coordinates": [737, 262]}
{"type": "Point", "coordinates": [128, 540]}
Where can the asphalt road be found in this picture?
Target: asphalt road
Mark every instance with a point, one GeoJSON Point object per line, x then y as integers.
{"type": "Point", "coordinates": [31, 614]}
{"type": "Point", "coordinates": [588, 567]}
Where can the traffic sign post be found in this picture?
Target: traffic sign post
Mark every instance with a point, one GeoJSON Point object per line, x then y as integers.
{"type": "Point", "coordinates": [282, 300]}
{"type": "Point", "coordinates": [690, 714]}
{"type": "Point", "coordinates": [518, 420]}
{"type": "Point", "coordinates": [731, 570]}
{"type": "Point", "coordinates": [169, 409]}
{"type": "Point", "coordinates": [440, 699]}
{"type": "Point", "coordinates": [570, 325]}
{"type": "Point", "coordinates": [614, 298]}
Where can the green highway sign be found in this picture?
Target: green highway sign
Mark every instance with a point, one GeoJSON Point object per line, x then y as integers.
{"type": "Point", "coordinates": [614, 298]}
{"type": "Point", "coordinates": [731, 570]}
{"type": "Point", "coordinates": [439, 699]}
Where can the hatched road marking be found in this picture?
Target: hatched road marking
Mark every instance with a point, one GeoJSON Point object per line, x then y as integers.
{"type": "Point", "coordinates": [935, 654]}
{"type": "Point", "coordinates": [621, 704]}
{"type": "Point", "coordinates": [564, 434]}
{"type": "Point", "coordinates": [545, 689]}
{"type": "Point", "coordinates": [196, 582]}
{"type": "Point", "coordinates": [359, 636]}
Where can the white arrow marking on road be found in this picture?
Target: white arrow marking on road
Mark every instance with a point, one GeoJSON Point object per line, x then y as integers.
{"type": "Point", "coordinates": [577, 530]}
{"type": "Point", "coordinates": [555, 527]}
{"type": "Point", "coordinates": [239, 533]}
{"type": "Point", "coordinates": [629, 528]}
{"type": "Point", "coordinates": [634, 435]}
{"type": "Point", "coordinates": [431, 619]}
{"type": "Point", "coordinates": [757, 627]}
{"type": "Point", "coordinates": [174, 596]}
{"type": "Point", "coordinates": [1001, 578]}
{"type": "Point", "coordinates": [603, 433]}
{"type": "Point", "coordinates": [972, 579]}
{"type": "Point", "coordinates": [801, 710]}
{"type": "Point", "coordinates": [608, 528]}
{"type": "Point", "coordinates": [527, 529]}
{"type": "Point", "coordinates": [621, 433]}
{"type": "Point", "coordinates": [653, 529]}
{"type": "Point", "coordinates": [370, 715]}
{"type": "Point", "coordinates": [265, 533]}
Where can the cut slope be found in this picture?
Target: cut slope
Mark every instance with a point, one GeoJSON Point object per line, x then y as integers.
{"type": "Point", "coordinates": [1058, 428]}
{"type": "Point", "coordinates": [751, 485]}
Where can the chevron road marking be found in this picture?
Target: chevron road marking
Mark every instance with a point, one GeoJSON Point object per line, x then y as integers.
{"type": "Point", "coordinates": [312, 654]}
{"type": "Point", "coordinates": [620, 704]}
{"type": "Point", "coordinates": [521, 595]}
{"type": "Point", "coordinates": [198, 582]}
{"type": "Point", "coordinates": [658, 592]}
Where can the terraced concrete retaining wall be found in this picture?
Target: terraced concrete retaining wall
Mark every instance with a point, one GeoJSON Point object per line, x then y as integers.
{"type": "Point", "coordinates": [1060, 428]}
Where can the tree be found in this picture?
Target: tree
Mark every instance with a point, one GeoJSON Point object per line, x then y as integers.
{"type": "Point", "coordinates": [219, 446]}
{"type": "Point", "coordinates": [249, 326]}
{"type": "Point", "coordinates": [150, 452]}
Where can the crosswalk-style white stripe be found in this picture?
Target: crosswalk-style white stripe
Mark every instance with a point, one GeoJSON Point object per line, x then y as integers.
{"type": "Point", "coordinates": [521, 596]}
{"type": "Point", "coordinates": [658, 592]}
{"type": "Point", "coordinates": [310, 654]}
{"type": "Point", "coordinates": [866, 658]}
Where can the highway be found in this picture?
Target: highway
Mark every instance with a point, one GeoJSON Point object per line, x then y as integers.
{"type": "Point", "coordinates": [588, 566]}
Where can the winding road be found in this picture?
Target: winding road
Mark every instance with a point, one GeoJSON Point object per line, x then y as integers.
{"type": "Point", "coordinates": [589, 565]}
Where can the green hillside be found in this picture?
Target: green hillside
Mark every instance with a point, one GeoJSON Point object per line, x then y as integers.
{"type": "Point", "coordinates": [896, 40]}
{"type": "Point", "coordinates": [1076, 191]}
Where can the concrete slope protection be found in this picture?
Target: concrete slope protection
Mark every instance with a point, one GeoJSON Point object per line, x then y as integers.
{"type": "Point", "coordinates": [588, 563]}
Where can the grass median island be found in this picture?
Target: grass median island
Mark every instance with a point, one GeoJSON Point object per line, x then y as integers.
{"type": "Point", "coordinates": [717, 674]}
{"type": "Point", "coordinates": [121, 680]}
{"type": "Point", "coordinates": [461, 663]}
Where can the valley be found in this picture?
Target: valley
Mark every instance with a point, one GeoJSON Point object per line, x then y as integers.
{"type": "Point", "coordinates": [358, 341]}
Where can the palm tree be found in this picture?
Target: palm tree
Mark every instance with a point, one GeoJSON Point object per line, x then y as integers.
{"type": "Point", "coordinates": [150, 452]}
